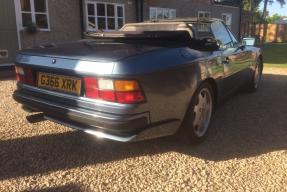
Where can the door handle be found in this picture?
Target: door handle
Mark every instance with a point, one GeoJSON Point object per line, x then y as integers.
{"type": "Point", "coordinates": [226, 61]}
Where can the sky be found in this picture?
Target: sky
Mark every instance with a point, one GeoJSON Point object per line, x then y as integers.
{"type": "Point", "coordinates": [276, 8]}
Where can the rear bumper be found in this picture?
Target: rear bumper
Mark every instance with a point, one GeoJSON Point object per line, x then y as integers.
{"type": "Point", "coordinates": [119, 127]}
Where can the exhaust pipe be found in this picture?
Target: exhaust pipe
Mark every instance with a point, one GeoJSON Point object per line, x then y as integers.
{"type": "Point", "coordinates": [35, 118]}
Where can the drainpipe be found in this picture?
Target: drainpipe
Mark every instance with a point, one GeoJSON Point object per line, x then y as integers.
{"type": "Point", "coordinates": [82, 18]}
{"type": "Point", "coordinates": [139, 10]}
{"type": "Point", "coordinates": [17, 16]}
{"type": "Point", "coordinates": [142, 10]}
{"type": "Point", "coordinates": [240, 18]}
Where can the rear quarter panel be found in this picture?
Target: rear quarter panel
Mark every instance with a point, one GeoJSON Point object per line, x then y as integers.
{"type": "Point", "coordinates": [169, 78]}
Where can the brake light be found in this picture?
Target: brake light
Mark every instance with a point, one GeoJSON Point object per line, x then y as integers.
{"type": "Point", "coordinates": [121, 91]}
{"type": "Point", "coordinates": [24, 75]}
{"type": "Point", "coordinates": [91, 86]}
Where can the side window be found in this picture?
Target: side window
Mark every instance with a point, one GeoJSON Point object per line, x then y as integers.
{"type": "Point", "coordinates": [235, 42]}
{"type": "Point", "coordinates": [221, 34]}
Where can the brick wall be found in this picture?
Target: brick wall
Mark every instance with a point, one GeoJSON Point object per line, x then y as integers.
{"type": "Point", "coordinates": [65, 18]}
{"type": "Point", "coordinates": [235, 11]}
{"type": "Point", "coordinates": [8, 32]}
{"type": "Point", "coordinates": [190, 8]}
{"type": "Point", "coordinates": [65, 24]}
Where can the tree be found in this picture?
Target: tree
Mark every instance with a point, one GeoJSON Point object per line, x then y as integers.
{"type": "Point", "coordinates": [251, 5]}
{"type": "Point", "coordinates": [264, 14]}
{"type": "Point", "coordinates": [273, 18]}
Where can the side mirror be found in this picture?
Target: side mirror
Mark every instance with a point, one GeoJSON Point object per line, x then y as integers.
{"type": "Point", "coordinates": [249, 41]}
{"type": "Point", "coordinates": [210, 44]}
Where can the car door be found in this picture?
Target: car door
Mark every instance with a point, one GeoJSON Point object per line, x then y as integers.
{"type": "Point", "coordinates": [244, 59]}
{"type": "Point", "coordinates": [230, 57]}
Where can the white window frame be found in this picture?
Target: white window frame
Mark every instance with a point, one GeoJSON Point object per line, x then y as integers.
{"type": "Point", "coordinates": [33, 15]}
{"type": "Point", "coordinates": [157, 9]}
{"type": "Point", "coordinates": [203, 12]}
{"type": "Point", "coordinates": [227, 15]}
{"type": "Point", "coordinates": [203, 27]}
{"type": "Point", "coordinates": [106, 17]}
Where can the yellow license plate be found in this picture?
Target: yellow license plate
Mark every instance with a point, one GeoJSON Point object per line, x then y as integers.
{"type": "Point", "coordinates": [61, 83]}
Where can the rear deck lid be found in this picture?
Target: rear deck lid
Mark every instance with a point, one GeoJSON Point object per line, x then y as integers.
{"type": "Point", "coordinates": [90, 50]}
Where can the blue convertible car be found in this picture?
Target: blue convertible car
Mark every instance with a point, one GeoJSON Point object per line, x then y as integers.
{"type": "Point", "coordinates": [147, 80]}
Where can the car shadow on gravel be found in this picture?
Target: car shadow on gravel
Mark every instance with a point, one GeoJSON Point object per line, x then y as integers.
{"type": "Point", "coordinates": [246, 125]}
{"type": "Point", "coordinates": [68, 188]}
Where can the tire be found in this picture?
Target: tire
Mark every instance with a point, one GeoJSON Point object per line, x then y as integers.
{"type": "Point", "coordinates": [198, 116]}
{"type": "Point", "coordinates": [253, 85]}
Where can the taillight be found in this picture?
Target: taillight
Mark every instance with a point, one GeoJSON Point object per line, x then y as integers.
{"type": "Point", "coordinates": [24, 75]}
{"type": "Point", "coordinates": [121, 91]}
{"type": "Point", "coordinates": [130, 97]}
{"type": "Point", "coordinates": [91, 87]}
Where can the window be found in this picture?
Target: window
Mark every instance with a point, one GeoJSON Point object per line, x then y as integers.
{"type": "Point", "coordinates": [34, 11]}
{"type": "Point", "coordinates": [203, 27]}
{"type": "Point", "coordinates": [202, 15]}
{"type": "Point", "coordinates": [221, 34]}
{"type": "Point", "coordinates": [227, 18]}
{"type": "Point", "coordinates": [156, 13]}
{"type": "Point", "coordinates": [234, 40]}
{"type": "Point", "coordinates": [104, 16]}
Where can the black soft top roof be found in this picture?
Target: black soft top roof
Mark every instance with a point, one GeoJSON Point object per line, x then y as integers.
{"type": "Point", "coordinates": [177, 31]}
{"type": "Point", "coordinates": [178, 37]}
{"type": "Point", "coordinates": [186, 19]}
{"type": "Point", "coordinates": [158, 28]}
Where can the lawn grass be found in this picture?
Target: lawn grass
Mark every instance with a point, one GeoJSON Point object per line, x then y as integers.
{"type": "Point", "coordinates": [275, 55]}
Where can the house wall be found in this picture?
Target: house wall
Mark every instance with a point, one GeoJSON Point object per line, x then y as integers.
{"type": "Point", "coordinates": [190, 8]}
{"type": "Point", "coordinates": [65, 18]}
{"type": "Point", "coordinates": [65, 24]}
{"type": "Point", "coordinates": [130, 9]}
{"type": "Point", "coordinates": [184, 8]}
{"type": "Point", "coordinates": [235, 11]}
{"type": "Point", "coordinates": [8, 32]}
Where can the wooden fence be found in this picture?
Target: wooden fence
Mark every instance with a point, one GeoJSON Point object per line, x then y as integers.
{"type": "Point", "coordinates": [265, 32]}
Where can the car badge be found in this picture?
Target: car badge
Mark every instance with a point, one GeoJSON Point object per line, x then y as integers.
{"type": "Point", "coordinates": [54, 61]}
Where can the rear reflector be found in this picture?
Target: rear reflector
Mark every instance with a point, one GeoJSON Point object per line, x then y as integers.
{"type": "Point", "coordinates": [130, 97]}
{"type": "Point", "coordinates": [107, 95]}
{"type": "Point", "coordinates": [19, 70]}
{"type": "Point", "coordinates": [29, 76]}
{"type": "Point", "coordinates": [121, 91]}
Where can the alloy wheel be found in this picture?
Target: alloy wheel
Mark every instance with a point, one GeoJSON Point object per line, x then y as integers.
{"type": "Point", "coordinates": [257, 76]}
{"type": "Point", "coordinates": [203, 112]}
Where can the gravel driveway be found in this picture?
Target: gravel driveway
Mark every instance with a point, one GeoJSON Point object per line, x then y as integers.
{"type": "Point", "coordinates": [246, 151]}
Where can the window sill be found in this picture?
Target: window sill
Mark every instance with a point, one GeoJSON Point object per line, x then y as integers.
{"type": "Point", "coordinates": [91, 30]}
{"type": "Point", "coordinates": [39, 30]}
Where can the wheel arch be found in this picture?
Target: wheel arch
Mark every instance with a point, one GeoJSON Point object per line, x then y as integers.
{"type": "Point", "coordinates": [260, 57]}
{"type": "Point", "coordinates": [213, 84]}
{"type": "Point", "coordinates": [214, 87]}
